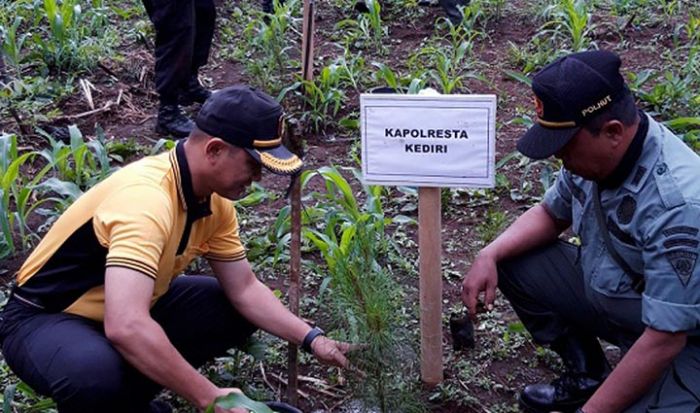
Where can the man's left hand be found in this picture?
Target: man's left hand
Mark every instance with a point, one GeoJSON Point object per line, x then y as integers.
{"type": "Point", "coordinates": [329, 351]}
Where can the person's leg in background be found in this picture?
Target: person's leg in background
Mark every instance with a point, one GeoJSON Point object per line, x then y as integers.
{"type": "Point", "coordinates": [175, 26]}
{"type": "Point", "coordinates": [205, 18]}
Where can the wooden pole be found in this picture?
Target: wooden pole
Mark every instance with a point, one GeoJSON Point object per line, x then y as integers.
{"type": "Point", "coordinates": [430, 247]}
{"type": "Point", "coordinates": [307, 49]}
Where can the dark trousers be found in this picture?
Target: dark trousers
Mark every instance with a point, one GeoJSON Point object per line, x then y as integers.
{"type": "Point", "coordinates": [184, 31]}
{"type": "Point", "coordinates": [546, 289]}
{"type": "Point", "coordinates": [68, 358]}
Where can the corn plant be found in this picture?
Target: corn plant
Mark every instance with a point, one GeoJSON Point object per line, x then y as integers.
{"type": "Point", "coordinates": [672, 94]}
{"type": "Point", "coordinates": [385, 76]}
{"type": "Point", "coordinates": [447, 67]}
{"type": "Point", "coordinates": [322, 97]}
{"type": "Point", "coordinates": [688, 129]}
{"type": "Point", "coordinates": [571, 20]}
{"type": "Point", "coordinates": [352, 67]}
{"type": "Point", "coordinates": [81, 163]}
{"type": "Point", "coordinates": [366, 30]}
{"type": "Point", "coordinates": [12, 43]}
{"type": "Point", "coordinates": [269, 37]}
{"type": "Point", "coordinates": [19, 198]}
{"type": "Point", "coordinates": [363, 296]}
{"type": "Point", "coordinates": [74, 39]}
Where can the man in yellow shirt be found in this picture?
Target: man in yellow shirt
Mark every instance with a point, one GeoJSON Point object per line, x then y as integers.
{"type": "Point", "coordinates": [101, 319]}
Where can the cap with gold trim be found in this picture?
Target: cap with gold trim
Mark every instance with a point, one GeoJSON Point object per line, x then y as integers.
{"type": "Point", "coordinates": [568, 93]}
{"type": "Point", "coordinates": [251, 119]}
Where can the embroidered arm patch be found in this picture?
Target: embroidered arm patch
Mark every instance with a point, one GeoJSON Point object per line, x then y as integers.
{"type": "Point", "coordinates": [683, 263]}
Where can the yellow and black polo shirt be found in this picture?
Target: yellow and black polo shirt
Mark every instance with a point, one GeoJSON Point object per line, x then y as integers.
{"type": "Point", "coordinates": [144, 217]}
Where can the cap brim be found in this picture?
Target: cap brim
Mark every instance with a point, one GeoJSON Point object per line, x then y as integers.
{"type": "Point", "coordinates": [540, 142]}
{"type": "Point", "coordinates": [278, 160]}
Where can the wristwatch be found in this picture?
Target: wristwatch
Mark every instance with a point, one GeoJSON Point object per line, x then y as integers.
{"type": "Point", "coordinates": [310, 337]}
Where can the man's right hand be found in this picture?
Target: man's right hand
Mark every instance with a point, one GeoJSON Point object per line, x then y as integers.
{"type": "Point", "coordinates": [482, 276]}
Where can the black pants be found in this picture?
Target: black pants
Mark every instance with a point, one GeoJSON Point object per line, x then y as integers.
{"type": "Point", "coordinates": [68, 358]}
{"type": "Point", "coordinates": [547, 290]}
{"type": "Point", "coordinates": [184, 31]}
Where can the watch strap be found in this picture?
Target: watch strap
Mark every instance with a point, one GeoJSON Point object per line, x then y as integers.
{"type": "Point", "coordinates": [310, 337]}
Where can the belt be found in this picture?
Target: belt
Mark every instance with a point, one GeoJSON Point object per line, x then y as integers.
{"type": "Point", "coordinates": [35, 302]}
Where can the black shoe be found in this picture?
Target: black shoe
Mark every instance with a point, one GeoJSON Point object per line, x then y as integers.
{"type": "Point", "coordinates": [269, 7]}
{"type": "Point", "coordinates": [361, 6]}
{"type": "Point", "coordinates": [159, 406]}
{"type": "Point", "coordinates": [193, 92]}
{"type": "Point", "coordinates": [564, 394]}
{"type": "Point", "coordinates": [586, 369]}
{"type": "Point", "coordinates": [171, 121]}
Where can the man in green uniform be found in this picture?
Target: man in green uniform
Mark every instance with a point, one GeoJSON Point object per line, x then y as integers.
{"type": "Point", "coordinates": [629, 190]}
{"type": "Point", "coordinates": [101, 319]}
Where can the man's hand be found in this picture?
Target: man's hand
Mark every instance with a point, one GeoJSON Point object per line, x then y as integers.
{"type": "Point", "coordinates": [482, 276]}
{"type": "Point", "coordinates": [331, 352]}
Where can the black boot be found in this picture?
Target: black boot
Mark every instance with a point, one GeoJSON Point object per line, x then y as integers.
{"type": "Point", "coordinates": [269, 7]}
{"type": "Point", "coordinates": [452, 11]}
{"type": "Point", "coordinates": [586, 368]}
{"type": "Point", "coordinates": [193, 92]}
{"type": "Point", "coordinates": [171, 121]}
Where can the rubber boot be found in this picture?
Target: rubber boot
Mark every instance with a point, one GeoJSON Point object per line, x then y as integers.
{"type": "Point", "coordinates": [171, 121]}
{"type": "Point", "coordinates": [452, 11]}
{"type": "Point", "coordinates": [193, 92]}
{"type": "Point", "coordinates": [585, 370]}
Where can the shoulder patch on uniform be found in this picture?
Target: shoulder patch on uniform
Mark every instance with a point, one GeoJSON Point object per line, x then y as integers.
{"type": "Point", "coordinates": [683, 263]}
{"type": "Point", "coordinates": [681, 229]}
{"type": "Point", "coordinates": [625, 211]}
{"type": "Point", "coordinates": [638, 175]}
{"type": "Point", "coordinates": [681, 242]}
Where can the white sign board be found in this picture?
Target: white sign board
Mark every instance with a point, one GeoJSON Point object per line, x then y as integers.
{"type": "Point", "coordinates": [429, 141]}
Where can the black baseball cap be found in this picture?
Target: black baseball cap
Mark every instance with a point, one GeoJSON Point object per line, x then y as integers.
{"type": "Point", "coordinates": [568, 93]}
{"type": "Point", "coordinates": [251, 119]}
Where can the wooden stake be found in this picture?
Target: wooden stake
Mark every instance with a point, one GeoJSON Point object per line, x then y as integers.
{"type": "Point", "coordinates": [307, 58]}
{"type": "Point", "coordinates": [430, 247]}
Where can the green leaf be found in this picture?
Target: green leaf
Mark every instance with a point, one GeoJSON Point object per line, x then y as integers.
{"type": "Point", "coordinates": [519, 77]}
{"type": "Point", "coordinates": [239, 400]}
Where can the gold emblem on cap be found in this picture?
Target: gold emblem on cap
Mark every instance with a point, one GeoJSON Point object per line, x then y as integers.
{"type": "Point", "coordinates": [271, 143]}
